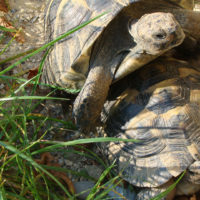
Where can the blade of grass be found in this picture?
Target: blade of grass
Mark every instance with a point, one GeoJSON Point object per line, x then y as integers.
{"type": "Point", "coordinates": [50, 44]}
{"type": "Point", "coordinates": [40, 71]}
{"type": "Point", "coordinates": [16, 56]}
{"type": "Point", "coordinates": [31, 97]}
{"type": "Point", "coordinates": [19, 89]}
{"type": "Point", "coordinates": [61, 169]}
{"type": "Point", "coordinates": [90, 154]}
{"type": "Point", "coordinates": [169, 189]}
{"type": "Point", "coordinates": [95, 189]}
{"type": "Point", "coordinates": [3, 77]}
{"type": "Point", "coordinates": [14, 196]}
{"type": "Point", "coordinates": [2, 28]}
{"type": "Point", "coordinates": [33, 185]}
{"type": "Point", "coordinates": [80, 141]}
{"type": "Point", "coordinates": [110, 186]}
{"type": "Point", "coordinates": [69, 124]}
{"type": "Point", "coordinates": [9, 43]}
{"type": "Point", "coordinates": [2, 193]}
{"type": "Point", "coordinates": [30, 107]}
{"type": "Point", "coordinates": [2, 36]}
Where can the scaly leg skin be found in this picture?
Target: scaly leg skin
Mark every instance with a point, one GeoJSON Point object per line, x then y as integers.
{"type": "Point", "coordinates": [91, 98]}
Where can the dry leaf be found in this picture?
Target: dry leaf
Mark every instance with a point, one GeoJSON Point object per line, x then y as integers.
{"type": "Point", "coordinates": [3, 6]}
{"type": "Point", "coordinates": [48, 159]}
{"type": "Point", "coordinates": [19, 37]}
{"type": "Point", "coordinates": [32, 73]}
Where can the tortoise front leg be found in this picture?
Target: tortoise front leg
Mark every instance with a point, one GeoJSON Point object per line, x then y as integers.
{"type": "Point", "coordinates": [88, 104]}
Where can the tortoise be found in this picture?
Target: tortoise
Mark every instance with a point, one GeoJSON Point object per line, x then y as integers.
{"type": "Point", "coordinates": [104, 50]}
{"type": "Point", "coordinates": [158, 105]}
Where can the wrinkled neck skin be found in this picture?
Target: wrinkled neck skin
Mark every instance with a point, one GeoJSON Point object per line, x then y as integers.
{"type": "Point", "coordinates": [133, 61]}
{"type": "Point", "coordinates": [189, 21]}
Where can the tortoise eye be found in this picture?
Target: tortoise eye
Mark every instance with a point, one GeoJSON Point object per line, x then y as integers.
{"type": "Point", "coordinates": [160, 36]}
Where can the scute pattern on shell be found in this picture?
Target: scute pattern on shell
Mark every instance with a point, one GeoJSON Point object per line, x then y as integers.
{"type": "Point", "coordinates": [64, 15]}
{"type": "Point", "coordinates": [161, 109]}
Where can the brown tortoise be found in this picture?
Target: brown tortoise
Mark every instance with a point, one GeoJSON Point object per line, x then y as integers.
{"type": "Point", "coordinates": [95, 56]}
{"type": "Point", "coordinates": [159, 105]}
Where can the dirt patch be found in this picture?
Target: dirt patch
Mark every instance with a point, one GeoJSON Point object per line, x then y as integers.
{"type": "Point", "coordinates": [28, 15]}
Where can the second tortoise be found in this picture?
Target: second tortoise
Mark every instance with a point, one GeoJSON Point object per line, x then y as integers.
{"type": "Point", "coordinates": [159, 105]}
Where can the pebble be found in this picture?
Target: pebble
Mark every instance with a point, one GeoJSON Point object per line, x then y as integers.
{"type": "Point", "coordinates": [93, 171]}
{"type": "Point", "coordinates": [60, 161]}
{"type": "Point", "coordinates": [34, 19]}
{"type": "Point", "coordinates": [84, 188]}
{"type": "Point", "coordinates": [2, 86]}
{"type": "Point", "coordinates": [68, 162]}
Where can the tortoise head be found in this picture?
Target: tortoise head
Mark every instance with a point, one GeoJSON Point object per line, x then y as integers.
{"type": "Point", "coordinates": [156, 33]}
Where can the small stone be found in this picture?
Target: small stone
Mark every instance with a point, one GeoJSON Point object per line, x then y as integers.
{"type": "Point", "coordinates": [13, 11]}
{"type": "Point", "coordinates": [60, 161]}
{"type": "Point", "coordinates": [34, 19]}
{"type": "Point", "coordinates": [83, 186]}
{"type": "Point", "coordinates": [68, 163]}
{"type": "Point", "coordinates": [15, 71]}
{"type": "Point", "coordinates": [93, 171]}
{"type": "Point", "coordinates": [2, 86]}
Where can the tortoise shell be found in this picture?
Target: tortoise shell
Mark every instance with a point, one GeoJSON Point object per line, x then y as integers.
{"type": "Point", "coordinates": [73, 53]}
{"type": "Point", "coordinates": [158, 105]}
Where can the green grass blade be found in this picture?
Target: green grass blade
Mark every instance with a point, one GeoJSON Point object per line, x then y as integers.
{"type": "Point", "coordinates": [110, 186]}
{"type": "Point", "coordinates": [16, 56]}
{"type": "Point", "coordinates": [40, 71]}
{"type": "Point", "coordinates": [169, 189]}
{"type": "Point", "coordinates": [61, 169]}
{"type": "Point", "coordinates": [19, 89]}
{"type": "Point", "coordinates": [2, 28]}
{"type": "Point", "coordinates": [15, 196]}
{"type": "Point", "coordinates": [50, 44]}
{"type": "Point", "coordinates": [56, 145]}
{"type": "Point", "coordinates": [31, 97]}
{"type": "Point", "coordinates": [2, 36]}
{"type": "Point", "coordinates": [2, 193]}
{"type": "Point", "coordinates": [7, 45]}
{"type": "Point", "coordinates": [69, 124]}
{"type": "Point", "coordinates": [95, 189]}
{"type": "Point", "coordinates": [4, 77]}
